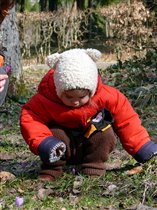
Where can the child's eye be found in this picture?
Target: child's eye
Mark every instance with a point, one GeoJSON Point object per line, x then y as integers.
{"type": "Point", "coordinates": [82, 96]}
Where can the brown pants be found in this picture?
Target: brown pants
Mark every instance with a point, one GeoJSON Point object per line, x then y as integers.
{"type": "Point", "coordinates": [90, 153]}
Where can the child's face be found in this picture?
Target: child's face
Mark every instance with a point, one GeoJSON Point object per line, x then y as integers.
{"type": "Point", "coordinates": [75, 98]}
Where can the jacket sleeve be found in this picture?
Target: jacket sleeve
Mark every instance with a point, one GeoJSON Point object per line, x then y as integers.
{"type": "Point", "coordinates": [127, 123]}
{"type": "Point", "coordinates": [34, 122]}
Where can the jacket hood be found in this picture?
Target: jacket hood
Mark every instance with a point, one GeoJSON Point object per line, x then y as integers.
{"type": "Point", "coordinates": [47, 87]}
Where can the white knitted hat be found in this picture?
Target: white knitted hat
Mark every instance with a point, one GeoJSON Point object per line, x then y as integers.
{"type": "Point", "coordinates": [75, 69]}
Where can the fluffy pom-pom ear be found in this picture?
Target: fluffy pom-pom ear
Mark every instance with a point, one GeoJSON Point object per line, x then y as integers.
{"type": "Point", "coordinates": [52, 59]}
{"type": "Point", "coordinates": [94, 54]}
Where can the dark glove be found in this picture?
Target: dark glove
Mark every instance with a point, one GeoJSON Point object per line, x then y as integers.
{"type": "Point", "coordinates": [146, 152]}
{"type": "Point", "coordinates": [51, 149]}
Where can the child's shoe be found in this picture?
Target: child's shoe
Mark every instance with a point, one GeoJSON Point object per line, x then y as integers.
{"type": "Point", "coordinates": [49, 173]}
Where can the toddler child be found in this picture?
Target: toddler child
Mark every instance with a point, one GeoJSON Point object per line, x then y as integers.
{"type": "Point", "coordinates": [73, 118]}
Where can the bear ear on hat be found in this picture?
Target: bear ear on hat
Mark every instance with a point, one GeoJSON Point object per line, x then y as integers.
{"type": "Point", "coordinates": [94, 54]}
{"type": "Point", "coordinates": [51, 60]}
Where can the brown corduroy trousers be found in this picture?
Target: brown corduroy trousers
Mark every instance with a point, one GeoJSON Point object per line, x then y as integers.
{"type": "Point", "coordinates": [89, 153]}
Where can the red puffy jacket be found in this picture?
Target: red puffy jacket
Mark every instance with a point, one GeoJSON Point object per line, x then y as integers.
{"type": "Point", "coordinates": [45, 107]}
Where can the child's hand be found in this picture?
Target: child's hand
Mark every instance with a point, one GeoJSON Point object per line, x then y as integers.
{"type": "Point", "coordinates": [3, 78]}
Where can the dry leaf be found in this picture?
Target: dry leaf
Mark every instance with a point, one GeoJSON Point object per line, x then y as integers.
{"type": "Point", "coordinates": [20, 190]}
{"type": "Point", "coordinates": [112, 187]}
{"type": "Point", "coordinates": [73, 199]}
{"type": "Point", "coordinates": [114, 165]}
{"type": "Point", "coordinates": [7, 156]}
{"type": "Point", "coordinates": [43, 193]}
{"type": "Point", "coordinates": [6, 176]}
{"type": "Point", "coordinates": [135, 170]}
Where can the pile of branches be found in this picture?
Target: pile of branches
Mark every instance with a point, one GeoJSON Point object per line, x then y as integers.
{"type": "Point", "coordinates": [132, 25]}
{"type": "Point", "coordinates": [40, 33]}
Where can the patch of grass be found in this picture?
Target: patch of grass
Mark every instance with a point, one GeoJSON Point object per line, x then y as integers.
{"type": "Point", "coordinates": [94, 192]}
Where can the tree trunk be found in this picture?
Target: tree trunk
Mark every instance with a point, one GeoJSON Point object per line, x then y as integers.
{"type": "Point", "coordinates": [22, 6]}
{"type": "Point", "coordinates": [80, 4]}
{"type": "Point", "coordinates": [9, 37]}
{"type": "Point", "coordinates": [53, 5]}
{"type": "Point", "coordinates": [43, 5]}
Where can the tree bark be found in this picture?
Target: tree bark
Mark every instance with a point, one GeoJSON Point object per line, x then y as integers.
{"type": "Point", "coordinates": [22, 8]}
{"type": "Point", "coordinates": [53, 5]}
{"type": "Point", "coordinates": [80, 4]}
{"type": "Point", "coordinates": [43, 5]}
{"type": "Point", "coordinates": [9, 37]}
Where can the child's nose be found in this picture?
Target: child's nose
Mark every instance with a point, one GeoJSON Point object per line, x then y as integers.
{"type": "Point", "coordinates": [75, 102]}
